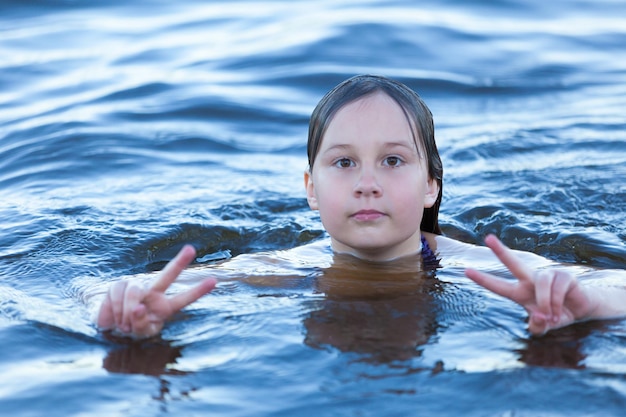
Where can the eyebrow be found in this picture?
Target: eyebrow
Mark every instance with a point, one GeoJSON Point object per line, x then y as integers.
{"type": "Point", "coordinates": [410, 145]}
{"type": "Point", "coordinates": [345, 146]}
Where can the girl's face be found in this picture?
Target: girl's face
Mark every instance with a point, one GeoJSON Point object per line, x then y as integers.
{"type": "Point", "coordinates": [369, 182]}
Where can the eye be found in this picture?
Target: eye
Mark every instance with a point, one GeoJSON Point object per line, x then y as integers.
{"type": "Point", "coordinates": [392, 161]}
{"type": "Point", "coordinates": [344, 163]}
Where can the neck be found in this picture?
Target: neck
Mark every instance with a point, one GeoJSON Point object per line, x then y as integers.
{"type": "Point", "coordinates": [376, 254]}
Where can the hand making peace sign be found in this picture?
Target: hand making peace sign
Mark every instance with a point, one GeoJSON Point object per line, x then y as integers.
{"type": "Point", "coordinates": [141, 311]}
{"type": "Point", "coordinates": [552, 298]}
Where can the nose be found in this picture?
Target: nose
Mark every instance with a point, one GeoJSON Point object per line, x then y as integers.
{"type": "Point", "coordinates": [367, 185]}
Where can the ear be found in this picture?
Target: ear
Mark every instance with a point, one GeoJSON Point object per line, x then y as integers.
{"type": "Point", "coordinates": [432, 192]}
{"type": "Point", "coordinates": [310, 190]}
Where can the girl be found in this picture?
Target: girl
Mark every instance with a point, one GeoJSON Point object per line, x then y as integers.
{"type": "Point", "coordinates": [375, 176]}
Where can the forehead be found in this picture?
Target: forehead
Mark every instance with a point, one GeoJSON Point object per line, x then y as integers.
{"type": "Point", "coordinates": [373, 115]}
{"type": "Point", "coordinates": [378, 102]}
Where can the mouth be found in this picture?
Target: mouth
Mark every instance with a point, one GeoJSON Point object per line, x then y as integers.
{"type": "Point", "coordinates": [367, 215]}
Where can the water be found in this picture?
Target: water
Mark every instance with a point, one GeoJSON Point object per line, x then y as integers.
{"type": "Point", "coordinates": [127, 130]}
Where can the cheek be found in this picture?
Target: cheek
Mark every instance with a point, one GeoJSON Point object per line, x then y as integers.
{"type": "Point", "coordinates": [326, 192]}
{"type": "Point", "coordinates": [329, 200]}
{"type": "Point", "coordinates": [330, 209]}
{"type": "Point", "coordinates": [408, 200]}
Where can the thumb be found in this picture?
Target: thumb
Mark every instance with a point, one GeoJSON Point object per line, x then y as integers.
{"type": "Point", "coordinates": [138, 318]}
{"type": "Point", "coordinates": [538, 324]}
{"type": "Point", "coordinates": [142, 326]}
{"type": "Point", "coordinates": [139, 312]}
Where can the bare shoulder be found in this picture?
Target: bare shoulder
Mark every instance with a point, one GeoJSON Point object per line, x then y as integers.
{"type": "Point", "coordinates": [446, 245]}
{"type": "Point", "coordinates": [457, 251]}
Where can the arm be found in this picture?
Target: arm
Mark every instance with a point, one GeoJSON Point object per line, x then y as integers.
{"type": "Point", "coordinates": [552, 298]}
{"type": "Point", "coordinates": [141, 311]}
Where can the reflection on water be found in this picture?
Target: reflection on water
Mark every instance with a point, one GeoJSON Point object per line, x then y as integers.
{"type": "Point", "coordinates": [563, 349]}
{"type": "Point", "coordinates": [380, 332]}
{"type": "Point", "coordinates": [148, 358]}
{"type": "Point", "coordinates": [128, 130]}
{"type": "Point", "coordinates": [379, 313]}
{"type": "Point", "coordinates": [382, 312]}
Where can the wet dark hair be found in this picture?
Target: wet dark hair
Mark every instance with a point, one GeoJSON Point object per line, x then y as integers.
{"type": "Point", "coordinates": [417, 114]}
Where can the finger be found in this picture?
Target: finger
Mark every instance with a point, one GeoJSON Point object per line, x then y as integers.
{"type": "Point", "coordinates": [543, 292]}
{"type": "Point", "coordinates": [494, 284]}
{"type": "Point", "coordinates": [138, 318]}
{"type": "Point", "coordinates": [179, 301]}
{"type": "Point", "coordinates": [105, 319]}
{"type": "Point", "coordinates": [140, 322]}
{"type": "Point", "coordinates": [509, 259]}
{"type": "Point", "coordinates": [538, 324]}
{"type": "Point", "coordinates": [561, 286]}
{"type": "Point", "coordinates": [116, 296]}
{"type": "Point", "coordinates": [132, 298]}
{"type": "Point", "coordinates": [174, 267]}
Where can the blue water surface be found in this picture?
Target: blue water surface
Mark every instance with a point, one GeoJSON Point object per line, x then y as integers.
{"type": "Point", "coordinates": [128, 129]}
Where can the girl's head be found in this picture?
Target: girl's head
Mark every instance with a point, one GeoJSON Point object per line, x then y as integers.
{"type": "Point", "coordinates": [416, 113]}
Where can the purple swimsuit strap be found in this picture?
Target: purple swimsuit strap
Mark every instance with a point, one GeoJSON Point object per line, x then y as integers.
{"type": "Point", "coordinates": [429, 257]}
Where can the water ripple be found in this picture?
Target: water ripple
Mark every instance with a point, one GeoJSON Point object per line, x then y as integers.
{"type": "Point", "coordinates": [130, 129]}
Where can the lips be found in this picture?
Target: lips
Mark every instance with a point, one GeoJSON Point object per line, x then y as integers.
{"type": "Point", "coordinates": [367, 215]}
